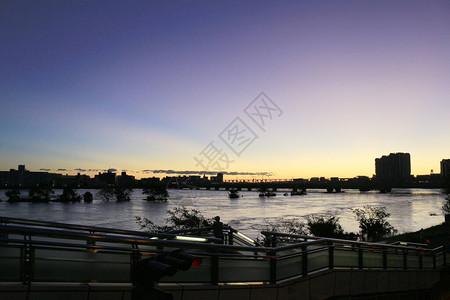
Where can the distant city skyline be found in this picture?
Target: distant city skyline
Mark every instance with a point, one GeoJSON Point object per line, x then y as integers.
{"type": "Point", "coordinates": [147, 85]}
{"type": "Point", "coordinates": [403, 172]}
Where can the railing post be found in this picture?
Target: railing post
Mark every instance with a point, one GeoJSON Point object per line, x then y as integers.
{"type": "Point", "coordinates": [230, 237]}
{"type": "Point", "coordinates": [273, 267]}
{"type": "Point", "coordinates": [274, 241]}
{"type": "Point", "coordinates": [444, 257]}
{"type": "Point", "coordinates": [134, 259]}
{"type": "Point", "coordinates": [331, 256]}
{"type": "Point", "coordinates": [434, 260]}
{"type": "Point", "coordinates": [90, 242]}
{"type": "Point", "coordinates": [360, 257]}
{"type": "Point", "coordinates": [27, 262]}
{"type": "Point", "coordinates": [304, 261]}
{"type": "Point", "coordinates": [3, 234]}
{"type": "Point", "coordinates": [214, 269]}
{"type": "Point", "coordinates": [405, 259]}
{"type": "Point", "coordinates": [420, 260]}
{"type": "Point", "coordinates": [384, 259]}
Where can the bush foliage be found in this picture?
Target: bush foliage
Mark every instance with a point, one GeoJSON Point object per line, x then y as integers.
{"type": "Point", "coordinates": [373, 223]}
{"type": "Point", "coordinates": [178, 218]}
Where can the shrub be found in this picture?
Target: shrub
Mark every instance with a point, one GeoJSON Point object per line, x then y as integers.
{"type": "Point", "coordinates": [13, 195]}
{"type": "Point", "coordinates": [446, 206]}
{"type": "Point", "coordinates": [372, 222]}
{"type": "Point", "coordinates": [325, 226]}
{"type": "Point", "coordinates": [106, 193]}
{"type": "Point", "coordinates": [156, 192]}
{"type": "Point", "coordinates": [122, 194]}
{"type": "Point", "coordinates": [40, 194]}
{"type": "Point", "coordinates": [289, 226]}
{"type": "Point", "coordinates": [179, 218]}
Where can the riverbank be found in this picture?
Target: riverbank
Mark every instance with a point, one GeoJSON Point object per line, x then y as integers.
{"type": "Point", "coordinates": [434, 236]}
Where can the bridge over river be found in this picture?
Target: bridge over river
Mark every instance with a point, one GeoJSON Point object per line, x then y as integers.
{"type": "Point", "coordinates": [44, 260]}
{"type": "Point", "coordinates": [296, 185]}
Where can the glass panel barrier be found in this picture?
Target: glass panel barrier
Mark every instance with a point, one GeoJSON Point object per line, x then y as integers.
{"type": "Point", "coordinates": [395, 260]}
{"type": "Point", "coordinates": [427, 261]}
{"type": "Point", "coordinates": [318, 260]}
{"type": "Point", "coordinates": [346, 258]}
{"type": "Point", "coordinates": [82, 266]}
{"type": "Point", "coordinates": [288, 267]}
{"type": "Point", "coordinates": [412, 261]}
{"type": "Point", "coordinates": [9, 263]}
{"type": "Point", "coordinates": [372, 259]}
{"type": "Point", "coordinates": [439, 259]}
{"type": "Point", "coordinates": [244, 269]}
{"type": "Point", "coordinates": [198, 274]}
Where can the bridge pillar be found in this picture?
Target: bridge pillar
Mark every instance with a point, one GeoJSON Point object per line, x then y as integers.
{"type": "Point", "coordinates": [217, 188]}
{"type": "Point", "coordinates": [249, 189]}
{"type": "Point", "coordinates": [274, 189]}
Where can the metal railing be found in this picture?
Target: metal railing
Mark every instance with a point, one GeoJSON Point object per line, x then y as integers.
{"type": "Point", "coordinates": [32, 252]}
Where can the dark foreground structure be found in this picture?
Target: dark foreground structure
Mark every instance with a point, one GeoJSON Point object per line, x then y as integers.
{"type": "Point", "coordinates": [43, 260]}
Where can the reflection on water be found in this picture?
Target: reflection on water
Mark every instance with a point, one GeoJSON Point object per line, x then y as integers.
{"type": "Point", "coordinates": [410, 209]}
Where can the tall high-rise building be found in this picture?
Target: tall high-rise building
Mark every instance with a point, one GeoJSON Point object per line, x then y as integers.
{"type": "Point", "coordinates": [394, 169]}
{"type": "Point", "coordinates": [445, 168]}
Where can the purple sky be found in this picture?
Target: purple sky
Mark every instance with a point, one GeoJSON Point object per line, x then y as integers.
{"type": "Point", "coordinates": [149, 84]}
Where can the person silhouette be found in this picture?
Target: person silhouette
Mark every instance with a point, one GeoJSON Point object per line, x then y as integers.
{"type": "Point", "coordinates": [217, 228]}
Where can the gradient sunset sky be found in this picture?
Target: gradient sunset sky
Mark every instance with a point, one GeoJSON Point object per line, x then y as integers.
{"type": "Point", "coordinates": [147, 85]}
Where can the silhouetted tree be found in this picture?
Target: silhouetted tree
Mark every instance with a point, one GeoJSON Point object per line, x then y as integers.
{"type": "Point", "coordinates": [87, 197]}
{"type": "Point", "coordinates": [179, 218]}
{"type": "Point", "coordinates": [289, 226]}
{"type": "Point", "coordinates": [40, 194]}
{"type": "Point", "coordinates": [325, 226]}
{"type": "Point", "coordinates": [13, 195]}
{"type": "Point", "coordinates": [69, 195]}
{"type": "Point", "coordinates": [156, 192]}
{"type": "Point", "coordinates": [122, 194]}
{"type": "Point", "coordinates": [372, 222]}
{"type": "Point", "coordinates": [106, 193]}
{"type": "Point", "coordinates": [446, 209]}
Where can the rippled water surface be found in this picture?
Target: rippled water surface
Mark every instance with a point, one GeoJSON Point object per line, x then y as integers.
{"type": "Point", "coordinates": [411, 209]}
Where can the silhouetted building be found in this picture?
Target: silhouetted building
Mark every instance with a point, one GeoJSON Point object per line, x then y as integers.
{"type": "Point", "coordinates": [66, 181]}
{"type": "Point", "coordinates": [445, 168]}
{"type": "Point", "coordinates": [217, 179]}
{"type": "Point", "coordinates": [23, 178]}
{"type": "Point", "coordinates": [220, 177]}
{"type": "Point", "coordinates": [107, 178]}
{"type": "Point", "coordinates": [125, 180]}
{"type": "Point", "coordinates": [394, 169]}
{"type": "Point", "coordinates": [150, 180]}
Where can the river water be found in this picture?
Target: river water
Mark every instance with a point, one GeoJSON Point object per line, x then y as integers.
{"type": "Point", "coordinates": [410, 209]}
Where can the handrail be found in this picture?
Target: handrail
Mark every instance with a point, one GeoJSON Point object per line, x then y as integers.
{"type": "Point", "coordinates": [94, 229]}
{"type": "Point", "coordinates": [156, 242]}
{"type": "Point", "coordinates": [119, 239]}
{"type": "Point", "coordinates": [103, 237]}
{"type": "Point", "coordinates": [67, 239]}
{"type": "Point", "coordinates": [370, 244]}
{"type": "Point", "coordinates": [83, 227]}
